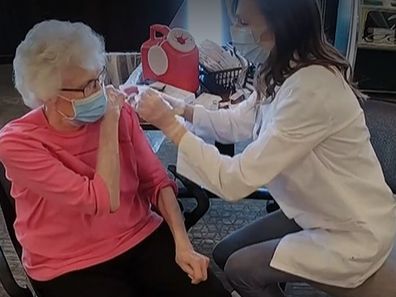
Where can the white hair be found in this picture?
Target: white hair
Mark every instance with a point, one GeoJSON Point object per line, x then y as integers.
{"type": "Point", "coordinates": [48, 48]}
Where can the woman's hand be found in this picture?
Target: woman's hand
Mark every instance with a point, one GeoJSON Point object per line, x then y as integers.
{"type": "Point", "coordinates": [115, 101]}
{"type": "Point", "coordinates": [153, 109]}
{"type": "Point", "coordinates": [192, 263]}
{"type": "Point", "coordinates": [178, 105]}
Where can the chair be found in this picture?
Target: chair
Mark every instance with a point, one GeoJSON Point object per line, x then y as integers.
{"type": "Point", "coordinates": [260, 194]}
{"type": "Point", "coordinates": [381, 121]}
{"type": "Point", "coordinates": [8, 209]}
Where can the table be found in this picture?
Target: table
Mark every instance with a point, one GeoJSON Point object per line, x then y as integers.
{"type": "Point", "coordinates": [224, 149]}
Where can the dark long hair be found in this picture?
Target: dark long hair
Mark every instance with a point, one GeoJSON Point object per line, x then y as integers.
{"type": "Point", "coordinates": [300, 41]}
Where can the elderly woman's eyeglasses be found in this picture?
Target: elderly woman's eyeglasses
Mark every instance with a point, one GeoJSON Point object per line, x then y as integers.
{"type": "Point", "coordinates": [91, 86]}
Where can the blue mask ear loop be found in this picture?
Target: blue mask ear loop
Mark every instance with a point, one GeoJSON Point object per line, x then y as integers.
{"type": "Point", "coordinates": [105, 94]}
{"type": "Point", "coordinates": [74, 109]}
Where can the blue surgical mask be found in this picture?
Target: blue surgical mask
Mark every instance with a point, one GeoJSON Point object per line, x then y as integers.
{"type": "Point", "coordinates": [248, 45]}
{"type": "Point", "coordinates": [88, 110]}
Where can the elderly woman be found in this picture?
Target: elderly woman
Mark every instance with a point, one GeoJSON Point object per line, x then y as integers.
{"type": "Point", "coordinates": [85, 181]}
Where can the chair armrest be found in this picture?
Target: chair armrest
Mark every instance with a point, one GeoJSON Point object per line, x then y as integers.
{"type": "Point", "coordinates": [192, 217]}
{"type": "Point", "coordinates": [260, 194]}
{"type": "Point", "coordinates": [8, 281]}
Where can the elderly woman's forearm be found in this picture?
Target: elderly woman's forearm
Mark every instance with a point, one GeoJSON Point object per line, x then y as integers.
{"type": "Point", "coordinates": [170, 210]}
{"type": "Point", "coordinates": [108, 163]}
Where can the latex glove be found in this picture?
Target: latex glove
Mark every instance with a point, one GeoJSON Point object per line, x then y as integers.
{"type": "Point", "coordinates": [178, 105]}
{"type": "Point", "coordinates": [193, 263]}
{"type": "Point", "coordinates": [153, 109]}
{"type": "Point", "coordinates": [130, 92]}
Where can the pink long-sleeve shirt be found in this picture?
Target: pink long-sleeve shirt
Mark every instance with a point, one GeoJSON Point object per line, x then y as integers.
{"type": "Point", "coordinates": [63, 209]}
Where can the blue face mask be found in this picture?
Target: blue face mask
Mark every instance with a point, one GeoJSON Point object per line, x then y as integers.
{"type": "Point", "coordinates": [88, 110]}
{"type": "Point", "coordinates": [245, 41]}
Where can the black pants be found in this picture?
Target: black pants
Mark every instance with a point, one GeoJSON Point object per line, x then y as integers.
{"type": "Point", "coordinates": [148, 269]}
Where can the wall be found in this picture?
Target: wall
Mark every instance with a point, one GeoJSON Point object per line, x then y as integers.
{"type": "Point", "coordinates": [124, 24]}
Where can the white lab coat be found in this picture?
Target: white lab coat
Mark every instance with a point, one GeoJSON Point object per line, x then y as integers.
{"type": "Point", "coordinates": [313, 153]}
